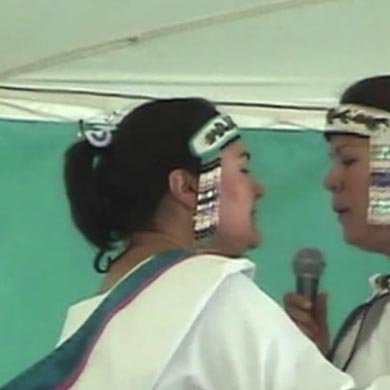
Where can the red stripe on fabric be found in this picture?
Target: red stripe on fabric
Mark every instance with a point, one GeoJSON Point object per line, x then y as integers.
{"type": "Point", "coordinates": [79, 370]}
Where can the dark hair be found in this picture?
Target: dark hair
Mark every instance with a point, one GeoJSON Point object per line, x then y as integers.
{"type": "Point", "coordinates": [115, 191]}
{"type": "Point", "coordinates": [371, 92]}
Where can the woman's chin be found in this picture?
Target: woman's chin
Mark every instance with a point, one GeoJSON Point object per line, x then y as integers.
{"type": "Point", "coordinates": [350, 238]}
{"type": "Point", "coordinates": [255, 240]}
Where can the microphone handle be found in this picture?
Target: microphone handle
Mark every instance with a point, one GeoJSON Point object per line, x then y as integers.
{"type": "Point", "coordinates": [307, 286]}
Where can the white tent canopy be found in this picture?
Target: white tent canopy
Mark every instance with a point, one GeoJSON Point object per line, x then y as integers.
{"type": "Point", "coordinates": [271, 63]}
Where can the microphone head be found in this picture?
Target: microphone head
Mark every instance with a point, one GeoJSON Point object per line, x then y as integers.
{"type": "Point", "coordinates": [308, 262]}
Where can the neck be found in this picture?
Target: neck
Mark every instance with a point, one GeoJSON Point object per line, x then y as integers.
{"type": "Point", "coordinates": [156, 240]}
{"type": "Point", "coordinates": [141, 246]}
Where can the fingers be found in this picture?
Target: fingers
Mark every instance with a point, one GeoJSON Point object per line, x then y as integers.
{"type": "Point", "coordinates": [299, 309]}
{"type": "Point", "coordinates": [297, 301]}
{"type": "Point", "coordinates": [311, 318]}
{"type": "Point", "coordinates": [317, 310]}
{"type": "Point", "coordinates": [302, 319]}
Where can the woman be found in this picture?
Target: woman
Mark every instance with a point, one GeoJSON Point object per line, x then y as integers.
{"type": "Point", "coordinates": [172, 182]}
{"type": "Point", "coordinates": [358, 132]}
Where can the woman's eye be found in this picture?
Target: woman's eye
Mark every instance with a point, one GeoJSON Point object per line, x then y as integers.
{"type": "Point", "coordinates": [245, 170]}
{"type": "Point", "coordinates": [348, 161]}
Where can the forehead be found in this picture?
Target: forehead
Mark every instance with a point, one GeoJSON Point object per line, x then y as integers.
{"type": "Point", "coordinates": [236, 149]}
{"type": "Point", "coordinates": [337, 142]}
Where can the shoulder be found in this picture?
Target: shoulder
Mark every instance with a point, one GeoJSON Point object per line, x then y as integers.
{"type": "Point", "coordinates": [244, 338]}
{"type": "Point", "coordinates": [238, 303]}
{"type": "Point", "coordinates": [379, 316]}
{"type": "Point", "coordinates": [222, 263]}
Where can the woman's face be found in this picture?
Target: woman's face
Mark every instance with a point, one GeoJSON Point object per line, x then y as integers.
{"type": "Point", "coordinates": [348, 182]}
{"type": "Point", "coordinates": [237, 230]}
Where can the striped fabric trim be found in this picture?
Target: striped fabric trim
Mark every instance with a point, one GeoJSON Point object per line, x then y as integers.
{"type": "Point", "coordinates": [62, 368]}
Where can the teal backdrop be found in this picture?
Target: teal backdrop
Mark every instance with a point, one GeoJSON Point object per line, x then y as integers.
{"type": "Point", "coordinates": [46, 266]}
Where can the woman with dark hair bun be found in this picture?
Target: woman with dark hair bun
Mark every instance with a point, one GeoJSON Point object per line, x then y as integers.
{"type": "Point", "coordinates": [178, 309]}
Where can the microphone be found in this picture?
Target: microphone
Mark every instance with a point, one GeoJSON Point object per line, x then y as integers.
{"type": "Point", "coordinates": [308, 265]}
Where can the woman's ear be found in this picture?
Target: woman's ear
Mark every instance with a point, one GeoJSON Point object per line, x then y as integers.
{"type": "Point", "coordinates": [183, 186]}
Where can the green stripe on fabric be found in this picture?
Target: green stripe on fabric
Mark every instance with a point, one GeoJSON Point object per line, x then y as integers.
{"type": "Point", "coordinates": [59, 367]}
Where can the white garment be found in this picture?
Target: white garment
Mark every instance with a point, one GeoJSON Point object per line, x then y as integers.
{"type": "Point", "coordinates": [235, 338]}
{"type": "Point", "coordinates": [372, 357]}
{"type": "Point", "coordinates": [243, 340]}
{"type": "Point", "coordinates": [382, 383]}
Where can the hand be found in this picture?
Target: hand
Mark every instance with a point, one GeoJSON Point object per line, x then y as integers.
{"type": "Point", "coordinates": [310, 317]}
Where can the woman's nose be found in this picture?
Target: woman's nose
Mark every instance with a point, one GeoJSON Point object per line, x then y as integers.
{"type": "Point", "coordinates": [332, 181]}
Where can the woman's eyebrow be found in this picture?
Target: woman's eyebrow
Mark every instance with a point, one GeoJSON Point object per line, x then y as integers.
{"type": "Point", "coordinates": [246, 155]}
